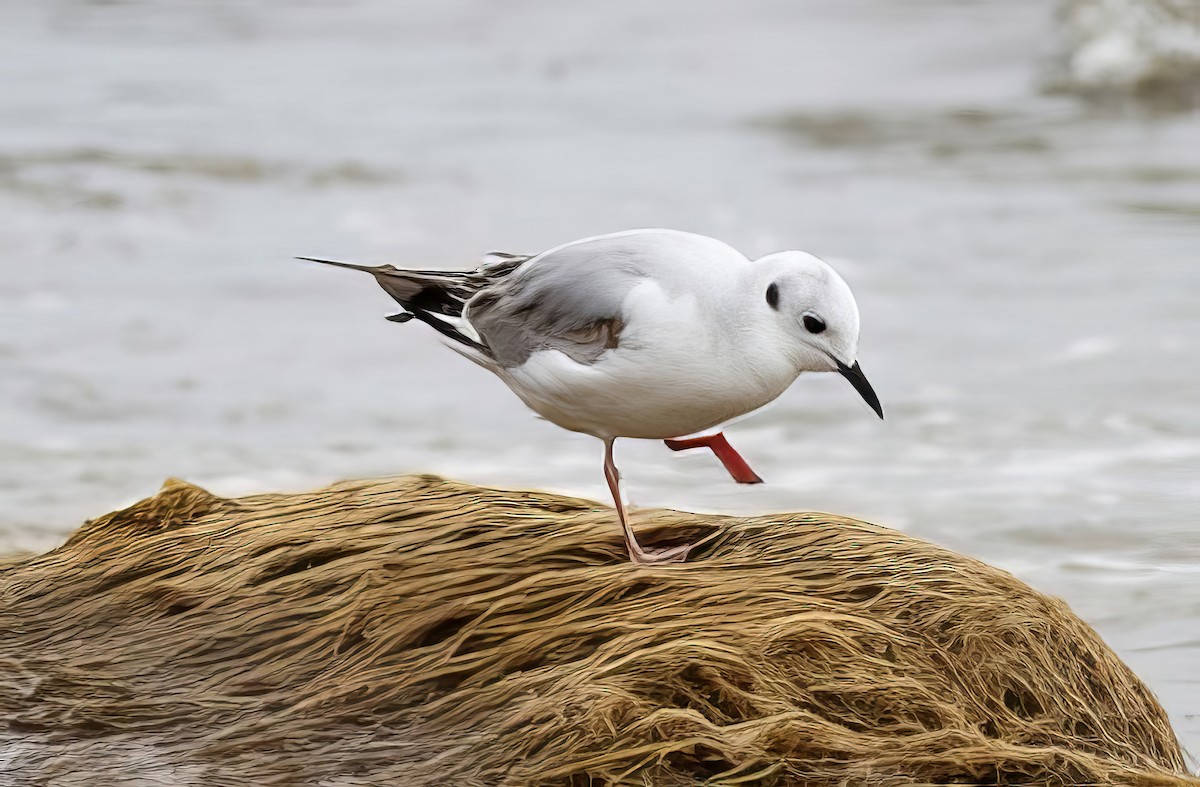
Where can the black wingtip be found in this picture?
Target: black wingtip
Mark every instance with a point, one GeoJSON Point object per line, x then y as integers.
{"type": "Point", "coordinates": [350, 265]}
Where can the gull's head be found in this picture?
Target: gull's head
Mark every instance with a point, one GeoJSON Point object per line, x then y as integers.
{"type": "Point", "coordinates": [815, 311]}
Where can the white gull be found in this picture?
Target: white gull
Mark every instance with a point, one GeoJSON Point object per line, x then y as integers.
{"type": "Point", "coordinates": [649, 333]}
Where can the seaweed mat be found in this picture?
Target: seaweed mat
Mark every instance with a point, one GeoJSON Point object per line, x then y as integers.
{"type": "Point", "coordinates": [417, 631]}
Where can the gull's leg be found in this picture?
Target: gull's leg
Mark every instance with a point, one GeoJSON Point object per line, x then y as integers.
{"type": "Point", "coordinates": [636, 553]}
{"type": "Point", "coordinates": [732, 460]}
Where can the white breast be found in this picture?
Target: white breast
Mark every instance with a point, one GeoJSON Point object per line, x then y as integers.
{"type": "Point", "coordinates": [683, 364]}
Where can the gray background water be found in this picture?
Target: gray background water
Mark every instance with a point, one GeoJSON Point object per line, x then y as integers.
{"type": "Point", "coordinates": [1026, 266]}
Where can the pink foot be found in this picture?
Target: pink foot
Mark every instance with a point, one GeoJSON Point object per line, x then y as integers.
{"type": "Point", "coordinates": [677, 554]}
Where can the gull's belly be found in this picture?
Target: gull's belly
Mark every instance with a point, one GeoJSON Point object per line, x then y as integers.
{"type": "Point", "coordinates": [683, 364]}
{"type": "Point", "coordinates": [629, 397]}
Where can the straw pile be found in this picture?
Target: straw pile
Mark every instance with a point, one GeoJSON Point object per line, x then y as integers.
{"type": "Point", "coordinates": [417, 631]}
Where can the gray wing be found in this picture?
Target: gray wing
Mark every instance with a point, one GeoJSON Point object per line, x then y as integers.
{"type": "Point", "coordinates": [568, 299]}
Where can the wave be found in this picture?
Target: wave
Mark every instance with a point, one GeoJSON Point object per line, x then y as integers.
{"type": "Point", "coordinates": [1148, 50]}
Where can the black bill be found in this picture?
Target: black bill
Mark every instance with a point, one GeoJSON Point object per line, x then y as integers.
{"type": "Point", "coordinates": [859, 380]}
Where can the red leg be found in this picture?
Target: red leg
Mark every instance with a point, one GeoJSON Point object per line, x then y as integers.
{"type": "Point", "coordinates": [732, 460]}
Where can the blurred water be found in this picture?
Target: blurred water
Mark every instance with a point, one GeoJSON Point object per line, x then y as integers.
{"type": "Point", "coordinates": [1025, 266]}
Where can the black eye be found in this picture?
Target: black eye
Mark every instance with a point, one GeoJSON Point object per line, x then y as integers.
{"type": "Point", "coordinates": [813, 324]}
{"type": "Point", "coordinates": [773, 296]}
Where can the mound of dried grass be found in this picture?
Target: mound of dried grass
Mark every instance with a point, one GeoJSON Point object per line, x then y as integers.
{"type": "Point", "coordinates": [422, 632]}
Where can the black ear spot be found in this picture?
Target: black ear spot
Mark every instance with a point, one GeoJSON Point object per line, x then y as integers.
{"type": "Point", "coordinates": [813, 323]}
{"type": "Point", "coordinates": [773, 296]}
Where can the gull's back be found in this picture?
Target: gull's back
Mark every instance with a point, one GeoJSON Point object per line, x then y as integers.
{"type": "Point", "coordinates": [573, 298]}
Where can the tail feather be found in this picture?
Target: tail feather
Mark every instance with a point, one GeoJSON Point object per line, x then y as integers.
{"type": "Point", "coordinates": [436, 298]}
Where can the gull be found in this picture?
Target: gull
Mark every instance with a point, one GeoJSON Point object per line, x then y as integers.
{"type": "Point", "coordinates": [650, 333]}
